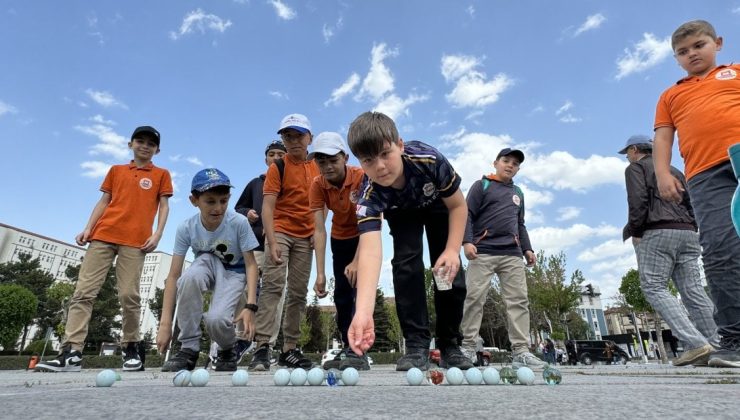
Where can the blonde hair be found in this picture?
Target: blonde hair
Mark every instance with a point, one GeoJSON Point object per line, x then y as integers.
{"type": "Point", "coordinates": [694, 27]}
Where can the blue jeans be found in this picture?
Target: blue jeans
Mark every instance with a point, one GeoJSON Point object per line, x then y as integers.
{"type": "Point", "coordinates": [711, 194]}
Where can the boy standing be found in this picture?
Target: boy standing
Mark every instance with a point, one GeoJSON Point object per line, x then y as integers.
{"type": "Point", "coordinates": [120, 225]}
{"type": "Point", "coordinates": [337, 189]}
{"type": "Point", "coordinates": [495, 241]}
{"type": "Point", "coordinates": [222, 242]}
{"type": "Point", "coordinates": [288, 224]}
{"type": "Point", "coordinates": [416, 189]}
{"type": "Point", "coordinates": [704, 108]}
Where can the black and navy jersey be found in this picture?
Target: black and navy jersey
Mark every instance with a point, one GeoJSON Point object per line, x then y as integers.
{"type": "Point", "coordinates": [429, 177]}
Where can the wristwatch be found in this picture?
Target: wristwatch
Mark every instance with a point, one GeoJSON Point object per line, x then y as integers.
{"type": "Point", "coordinates": [252, 307]}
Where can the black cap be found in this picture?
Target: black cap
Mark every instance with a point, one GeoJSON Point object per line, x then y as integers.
{"type": "Point", "coordinates": [511, 152]}
{"type": "Point", "coordinates": [277, 144]}
{"type": "Point", "coordinates": [147, 129]}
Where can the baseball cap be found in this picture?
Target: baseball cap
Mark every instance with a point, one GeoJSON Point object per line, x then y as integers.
{"type": "Point", "coordinates": [208, 178]}
{"type": "Point", "coordinates": [635, 140]}
{"type": "Point", "coordinates": [275, 144]}
{"type": "Point", "coordinates": [146, 129]}
{"type": "Point", "coordinates": [297, 122]}
{"type": "Point", "coordinates": [511, 152]}
{"type": "Point", "coordinates": [328, 143]}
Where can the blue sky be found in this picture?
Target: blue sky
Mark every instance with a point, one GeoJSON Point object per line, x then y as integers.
{"type": "Point", "coordinates": [565, 81]}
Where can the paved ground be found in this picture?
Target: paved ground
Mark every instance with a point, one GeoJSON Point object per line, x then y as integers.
{"type": "Point", "coordinates": [614, 392]}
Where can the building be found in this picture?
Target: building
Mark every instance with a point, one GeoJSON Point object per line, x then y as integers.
{"type": "Point", "coordinates": [620, 322]}
{"type": "Point", "coordinates": [591, 310]}
{"type": "Point", "coordinates": [153, 276]}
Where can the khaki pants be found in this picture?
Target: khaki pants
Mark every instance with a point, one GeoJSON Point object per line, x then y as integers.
{"type": "Point", "coordinates": [297, 256]}
{"type": "Point", "coordinates": [98, 260]}
{"type": "Point", "coordinates": [513, 283]}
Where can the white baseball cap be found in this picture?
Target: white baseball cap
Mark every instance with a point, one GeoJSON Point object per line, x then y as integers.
{"type": "Point", "coordinates": [327, 143]}
{"type": "Point", "coordinates": [297, 122]}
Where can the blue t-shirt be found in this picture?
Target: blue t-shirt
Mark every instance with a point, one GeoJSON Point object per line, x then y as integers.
{"type": "Point", "coordinates": [429, 177]}
{"type": "Point", "coordinates": [232, 238]}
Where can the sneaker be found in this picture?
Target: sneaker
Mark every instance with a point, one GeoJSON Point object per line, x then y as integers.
{"type": "Point", "coordinates": [131, 358]}
{"type": "Point", "coordinates": [185, 359]}
{"type": "Point", "coordinates": [241, 348]}
{"type": "Point", "coordinates": [142, 354]}
{"type": "Point", "coordinates": [293, 358]}
{"type": "Point", "coordinates": [68, 361]}
{"type": "Point", "coordinates": [452, 356]}
{"type": "Point", "coordinates": [350, 359]}
{"type": "Point", "coordinates": [526, 359]}
{"type": "Point", "coordinates": [226, 360]}
{"type": "Point", "coordinates": [418, 358]}
{"type": "Point", "coordinates": [728, 355]}
{"type": "Point", "coordinates": [697, 356]}
{"type": "Point", "coordinates": [261, 358]}
{"type": "Point", "coordinates": [335, 362]}
{"type": "Point", "coordinates": [470, 354]}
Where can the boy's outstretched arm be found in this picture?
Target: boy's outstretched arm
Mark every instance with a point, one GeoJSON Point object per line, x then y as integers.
{"type": "Point", "coordinates": [458, 216]}
{"type": "Point", "coordinates": [84, 236]}
{"type": "Point", "coordinates": [246, 317]}
{"type": "Point", "coordinates": [164, 211]}
{"type": "Point", "coordinates": [164, 335]}
{"type": "Point", "coordinates": [319, 244]}
{"type": "Point", "coordinates": [268, 225]}
{"type": "Point", "coordinates": [669, 187]}
{"type": "Point", "coordinates": [361, 332]}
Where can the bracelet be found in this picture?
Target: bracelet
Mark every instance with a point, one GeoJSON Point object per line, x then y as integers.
{"type": "Point", "coordinates": [251, 306]}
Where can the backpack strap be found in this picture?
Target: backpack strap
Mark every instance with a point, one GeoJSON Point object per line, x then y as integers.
{"type": "Point", "coordinates": [281, 170]}
{"type": "Point", "coordinates": [485, 182]}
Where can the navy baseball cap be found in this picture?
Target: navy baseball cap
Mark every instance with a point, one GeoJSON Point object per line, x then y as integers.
{"type": "Point", "coordinates": [635, 140]}
{"type": "Point", "coordinates": [511, 152]}
{"type": "Point", "coordinates": [146, 129]}
{"type": "Point", "coordinates": [208, 178]}
{"type": "Point", "coordinates": [277, 144]}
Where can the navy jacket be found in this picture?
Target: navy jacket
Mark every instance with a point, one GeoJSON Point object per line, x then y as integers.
{"type": "Point", "coordinates": [251, 199]}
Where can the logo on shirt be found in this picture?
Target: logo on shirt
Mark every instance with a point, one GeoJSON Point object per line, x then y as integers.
{"type": "Point", "coordinates": [361, 210]}
{"type": "Point", "coordinates": [353, 196]}
{"type": "Point", "coordinates": [726, 74]}
{"type": "Point", "coordinates": [515, 198]}
{"type": "Point", "coordinates": [428, 189]}
{"type": "Point", "coordinates": [145, 183]}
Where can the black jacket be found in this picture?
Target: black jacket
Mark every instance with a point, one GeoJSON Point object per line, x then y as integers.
{"type": "Point", "coordinates": [251, 199]}
{"type": "Point", "coordinates": [646, 209]}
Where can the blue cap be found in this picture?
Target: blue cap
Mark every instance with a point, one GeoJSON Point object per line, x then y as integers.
{"type": "Point", "coordinates": [635, 140]}
{"type": "Point", "coordinates": [206, 179]}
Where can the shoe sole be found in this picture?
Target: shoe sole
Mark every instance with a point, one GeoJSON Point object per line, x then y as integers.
{"type": "Point", "coordinates": [723, 363]}
{"type": "Point", "coordinates": [57, 369]}
{"type": "Point", "coordinates": [358, 366]}
{"type": "Point", "coordinates": [405, 368]}
{"type": "Point", "coordinates": [258, 368]}
{"type": "Point", "coordinates": [132, 368]}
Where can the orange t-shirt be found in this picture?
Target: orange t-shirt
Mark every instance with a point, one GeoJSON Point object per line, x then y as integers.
{"type": "Point", "coordinates": [135, 194]}
{"type": "Point", "coordinates": [706, 114]}
{"type": "Point", "coordinates": [342, 202]}
{"type": "Point", "coordinates": [292, 215]}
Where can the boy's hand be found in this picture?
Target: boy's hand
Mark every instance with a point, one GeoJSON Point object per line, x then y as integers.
{"type": "Point", "coordinates": [164, 335]}
{"type": "Point", "coordinates": [151, 243]}
{"type": "Point", "coordinates": [530, 258]}
{"type": "Point", "coordinates": [351, 273]}
{"type": "Point", "coordinates": [252, 216]}
{"type": "Point", "coordinates": [471, 251]}
{"type": "Point", "coordinates": [246, 317]}
{"type": "Point", "coordinates": [276, 254]}
{"type": "Point", "coordinates": [670, 188]}
{"type": "Point", "coordinates": [319, 287]}
{"type": "Point", "coordinates": [361, 333]}
{"type": "Point", "coordinates": [450, 260]}
{"type": "Point", "coordinates": [83, 238]}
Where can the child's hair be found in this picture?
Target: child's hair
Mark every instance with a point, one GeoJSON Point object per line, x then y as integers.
{"type": "Point", "coordinates": [369, 132]}
{"type": "Point", "coordinates": [694, 27]}
{"type": "Point", "coordinates": [218, 190]}
{"type": "Point", "coordinates": [319, 155]}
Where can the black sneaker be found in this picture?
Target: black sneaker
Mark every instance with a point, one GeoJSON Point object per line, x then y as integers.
{"type": "Point", "coordinates": [241, 348]}
{"type": "Point", "coordinates": [68, 361]}
{"type": "Point", "coordinates": [226, 360]}
{"type": "Point", "coordinates": [293, 358]}
{"type": "Point", "coordinates": [414, 358]}
{"type": "Point", "coordinates": [334, 363]}
{"type": "Point", "coordinates": [261, 358]}
{"type": "Point", "coordinates": [131, 358]}
{"type": "Point", "coordinates": [142, 354]}
{"type": "Point", "coordinates": [350, 359]}
{"type": "Point", "coordinates": [728, 354]}
{"type": "Point", "coordinates": [185, 359]}
{"type": "Point", "coordinates": [452, 356]}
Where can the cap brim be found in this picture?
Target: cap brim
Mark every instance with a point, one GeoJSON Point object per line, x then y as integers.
{"type": "Point", "coordinates": [303, 130]}
{"type": "Point", "coordinates": [207, 187]}
{"type": "Point", "coordinates": [623, 151]}
{"type": "Point", "coordinates": [516, 153]}
{"type": "Point", "coordinates": [328, 152]}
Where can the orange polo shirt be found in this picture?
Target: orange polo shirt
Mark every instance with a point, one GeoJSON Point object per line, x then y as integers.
{"type": "Point", "coordinates": [292, 215]}
{"type": "Point", "coordinates": [706, 114]}
{"type": "Point", "coordinates": [341, 201]}
{"type": "Point", "coordinates": [135, 194]}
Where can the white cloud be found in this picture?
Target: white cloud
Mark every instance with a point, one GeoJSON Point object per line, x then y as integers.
{"type": "Point", "coordinates": [6, 108]}
{"type": "Point", "coordinates": [194, 160]}
{"type": "Point", "coordinates": [609, 250]}
{"type": "Point", "coordinates": [101, 120]}
{"type": "Point", "coordinates": [736, 10]}
{"type": "Point", "coordinates": [471, 11]}
{"type": "Point", "coordinates": [175, 158]}
{"type": "Point", "coordinates": [283, 11]}
{"type": "Point", "coordinates": [394, 106]}
{"type": "Point", "coordinates": [328, 31]}
{"type": "Point", "coordinates": [104, 99]}
{"type": "Point", "coordinates": [569, 119]}
{"type": "Point", "coordinates": [379, 80]}
{"type": "Point", "coordinates": [94, 169]}
{"type": "Point", "coordinates": [647, 53]}
{"type": "Point", "coordinates": [561, 170]}
{"type": "Point", "coordinates": [568, 213]}
{"type": "Point", "coordinates": [472, 88]}
{"type": "Point", "coordinates": [566, 106]}
{"type": "Point", "coordinates": [200, 21]}
{"type": "Point", "coordinates": [345, 89]}
{"type": "Point", "coordinates": [553, 240]}
{"type": "Point", "coordinates": [592, 22]}
{"type": "Point", "coordinates": [278, 94]}
{"type": "Point", "coordinates": [110, 143]}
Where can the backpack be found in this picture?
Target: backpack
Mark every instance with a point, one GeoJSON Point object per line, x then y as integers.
{"type": "Point", "coordinates": [485, 183]}
{"type": "Point", "coordinates": [281, 170]}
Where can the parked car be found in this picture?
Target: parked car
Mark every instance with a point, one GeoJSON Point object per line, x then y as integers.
{"type": "Point", "coordinates": [590, 351]}
{"type": "Point", "coordinates": [435, 356]}
{"type": "Point", "coordinates": [332, 353]}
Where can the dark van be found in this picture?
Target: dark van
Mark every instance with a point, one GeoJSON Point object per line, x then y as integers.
{"type": "Point", "coordinates": [589, 351]}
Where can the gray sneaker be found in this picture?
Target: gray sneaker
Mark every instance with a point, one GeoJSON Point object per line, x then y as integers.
{"type": "Point", "coordinates": [697, 356]}
{"type": "Point", "coordinates": [414, 357]}
{"type": "Point", "coordinates": [728, 355]}
{"type": "Point", "coordinates": [526, 359]}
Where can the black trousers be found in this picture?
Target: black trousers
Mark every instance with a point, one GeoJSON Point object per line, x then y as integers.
{"type": "Point", "coordinates": [342, 253]}
{"type": "Point", "coordinates": [407, 229]}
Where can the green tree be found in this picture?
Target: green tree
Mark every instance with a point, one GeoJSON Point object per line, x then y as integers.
{"type": "Point", "coordinates": [578, 328]}
{"type": "Point", "coordinates": [493, 325]}
{"type": "Point", "coordinates": [156, 303]}
{"type": "Point", "coordinates": [634, 297]}
{"type": "Point", "coordinates": [395, 335]}
{"type": "Point", "coordinates": [316, 338]}
{"type": "Point", "coordinates": [381, 319]}
{"type": "Point", "coordinates": [17, 308]}
{"type": "Point", "coordinates": [58, 296]}
{"type": "Point", "coordinates": [329, 328]}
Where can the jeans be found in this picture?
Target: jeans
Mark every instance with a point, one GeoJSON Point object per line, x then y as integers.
{"type": "Point", "coordinates": [342, 253]}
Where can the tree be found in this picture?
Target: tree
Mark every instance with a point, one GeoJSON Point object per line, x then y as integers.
{"type": "Point", "coordinates": [395, 334]}
{"type": "Point", "coordinates": [58, 297]}
{"type": "Point", "coordinates": [381, 319]}
{"type": "Point", "coordinates": [17, 308]}
{"type": "Point", "coordinates": [329, 328]}
{"type": "Point", "coordinates": [156, 303]}
{"type": "Point", "coordinates": [635, 298]}
{"type": "Point", "coordinates": [493, 327]}
{"type": "Point", "coordinates": [578, 328]}
{"type": "Point", "coordinates": [316, 338]}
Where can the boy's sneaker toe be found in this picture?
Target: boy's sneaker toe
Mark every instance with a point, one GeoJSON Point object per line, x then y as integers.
{"type": "Point", "coordinates": [414, 358]}
{"type": "Point", "coordinates": [293, 358]}
{"type": "Point", "coordinates": [67, 361]}
{"type": "Point", "coordinates": [452, 356]}
{"type": "Point", "coordinates": [131, 358]}
{"type": "Point", "coordinates": [260, 359]}
{"type": "Point", "coordinates": [527, 359]}
{"type": "Point", "coordinates": [185, 359]}
{"type": "Point", "coordinates": [350, 359]}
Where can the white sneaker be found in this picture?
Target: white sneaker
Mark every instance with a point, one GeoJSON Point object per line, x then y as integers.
{"type": "Point", "coordinates": [526, 359]}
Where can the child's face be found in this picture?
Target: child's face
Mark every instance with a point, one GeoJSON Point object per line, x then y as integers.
{"type": "Point", "coordinates": [697, 54]}
{"type": "Point", "coordinates": [272, 155]}
{"type": "Point", "coordinates": [144, 148]}
{"type": "Point", "coordinates": [212, 208]}
{"type": "Point", "coordinates": [386, 169]}
{"type": "Point", "coordinates": [296, 143]}
{"type": "Point", "coordinates": [333, 168]}
{"type": "Point", "coordinates": [506, 167]}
